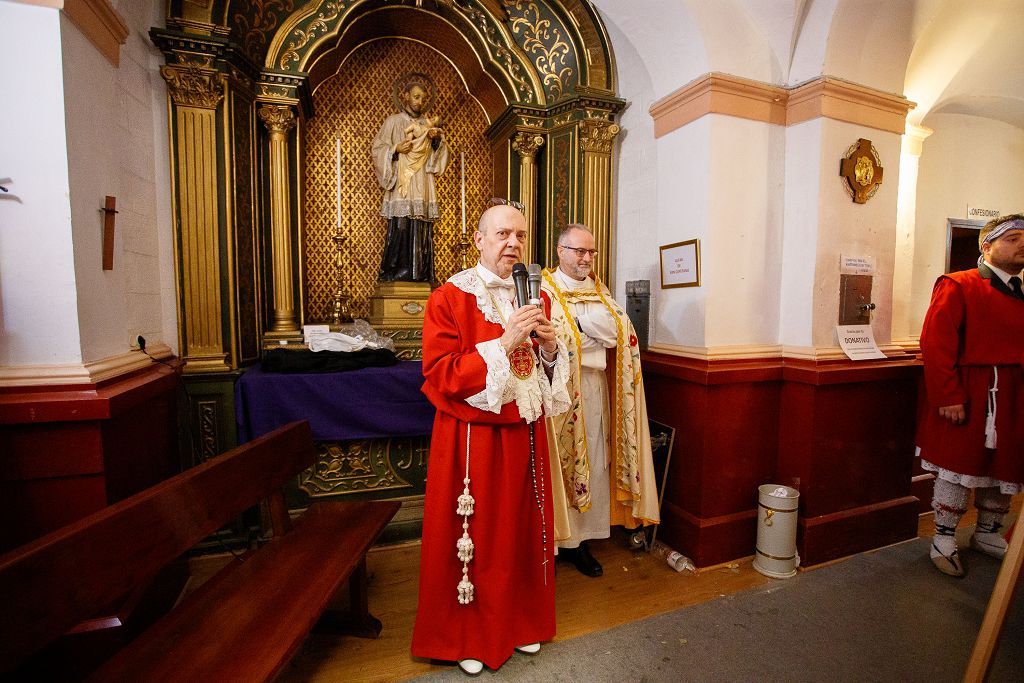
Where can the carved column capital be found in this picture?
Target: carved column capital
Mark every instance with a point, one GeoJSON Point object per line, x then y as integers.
{"type": "Point", "coordinates": [277, 118]}
{"type": "Point", "coordinates": [597, 135]}
{"type": "Point", "coordinates": [526, 144]}
{"type": "Point", "coordinates": [191, 85]}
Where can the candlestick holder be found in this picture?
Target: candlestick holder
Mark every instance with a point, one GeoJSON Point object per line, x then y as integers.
{"type": "Point", "coordinates": [460, 248]}
{"type": "Point", "coordinates": [339, 311]}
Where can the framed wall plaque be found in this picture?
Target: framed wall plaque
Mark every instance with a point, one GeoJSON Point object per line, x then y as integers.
{"type": "Point", "coordinates": [680, 264]}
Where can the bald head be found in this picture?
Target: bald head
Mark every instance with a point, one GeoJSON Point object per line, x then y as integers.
{"type": "Point", "coordinates": [500, 237]}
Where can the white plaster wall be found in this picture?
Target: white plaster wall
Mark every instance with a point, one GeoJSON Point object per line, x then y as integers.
{"type": "Point", "coordinates": [870, 42]}
{"type": "Point", "coordinates": [37, 277]}
{"type": "Point", "coordinates": [634, 216]}
{"type": "Point", "coordinates": [803, 180]}
{"type": "Point", "coordinates": [683, 179]}
{"type": "Point", "coordinates": [850, 229]}
{"type": "Point", "coordinates": [966, 160]}
{"type": "Point", "coordinates": [735, 43]}
{"type": "Point", "coordinates": [741, 255]}
{"type": "Point", "coordinates": [112, 142]}
{"type": "Point", "coordinates": [664, 36]}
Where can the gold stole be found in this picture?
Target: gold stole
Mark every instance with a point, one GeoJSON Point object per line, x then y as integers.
{"type": "Point", "coordinates": [568, 430]}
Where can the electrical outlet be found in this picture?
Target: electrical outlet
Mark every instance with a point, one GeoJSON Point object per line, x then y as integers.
{"type": "Point", "coordinates": [141, 341]}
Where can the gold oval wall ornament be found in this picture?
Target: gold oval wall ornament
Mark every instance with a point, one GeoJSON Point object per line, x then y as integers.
{"type": "Point", "coordinates": [862, 169]}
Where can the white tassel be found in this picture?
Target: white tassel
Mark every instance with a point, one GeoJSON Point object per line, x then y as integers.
{"type": "Point", "coordinates": [465, 590]}
{"type": "Point", "coordinates": [990, 418]}
{"type": "Point", "coordinates": [466, 547]}
{"type": "Point", "coordinates": [466, 503]}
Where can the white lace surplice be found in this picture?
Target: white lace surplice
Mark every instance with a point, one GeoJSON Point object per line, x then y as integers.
{"type": "Point", "coordinates": [535, 395]}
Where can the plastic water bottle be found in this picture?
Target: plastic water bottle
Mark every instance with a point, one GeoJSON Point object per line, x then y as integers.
{"type": "Point", "coordinates": [673, 558]}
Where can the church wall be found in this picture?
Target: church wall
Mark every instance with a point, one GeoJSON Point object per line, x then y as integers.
{"type": "Point", "coordinates": [671, 48]}
{"type": "Point", "coordinates": [741, 259]}
{"type": "Point", "coordinates": [967, 160]}
{"type": "Point", "coordinates": [683, 213]}
{"type": "Point", "coordinates": [850, 229]}
{"type": "Point", "coordinates": [37, 278]}
{"type": "Point", "coordinates": [800, 235]}
{"type": "Point", "coordinates": [635, 212]}
{"type": "Point", "coordinates": [113, 150]}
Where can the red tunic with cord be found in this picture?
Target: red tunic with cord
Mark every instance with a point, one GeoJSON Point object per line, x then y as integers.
{"type": "Point", "coordinates": [970, 328]}
{"type": "Point", "coordinates": [514, 601]}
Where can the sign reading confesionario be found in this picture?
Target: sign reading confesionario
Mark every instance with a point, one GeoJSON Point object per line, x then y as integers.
{"type": "Point", "coordinates": [975, 213]}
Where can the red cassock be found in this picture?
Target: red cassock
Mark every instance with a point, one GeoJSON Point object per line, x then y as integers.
{"type": "Point", "coordinates": [971, 327]}
{"type": "Point", "coordinates": [514, 579]}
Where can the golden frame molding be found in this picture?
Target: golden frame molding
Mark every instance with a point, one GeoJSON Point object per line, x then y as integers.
{"type": "Point", "coordinates": [825, 97]}
{"type": "Point", "coordinates": [101, 24]}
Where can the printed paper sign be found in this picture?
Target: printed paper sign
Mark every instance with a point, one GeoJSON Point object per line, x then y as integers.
{"type": "Point", "coordinates": [857, 265]}
{"type": "Point", "coordinates": [858, 342]}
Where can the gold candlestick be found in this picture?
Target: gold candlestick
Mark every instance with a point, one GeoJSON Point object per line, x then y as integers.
{"type": "Point", "coordinates": [340, 313]}
{"type": "Point", "coordinates": [460, 248]}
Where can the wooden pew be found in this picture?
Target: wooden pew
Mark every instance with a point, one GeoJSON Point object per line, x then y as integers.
{"type": "Point", "coordinates": [246, 621]}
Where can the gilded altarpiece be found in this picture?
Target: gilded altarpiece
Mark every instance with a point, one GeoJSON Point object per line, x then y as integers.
{"type": "Point", "coordinates": [261, 90]}
{"type": "Point", "coordinates": [352, 104]}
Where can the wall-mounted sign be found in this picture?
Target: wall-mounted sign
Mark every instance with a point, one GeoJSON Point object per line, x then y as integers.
{"type": "Point", "coordinates": [975, 213]}
{"type": "Point", "coordinates": [857, 265]}
{"type": "Point", "coordinates": [680, 264]}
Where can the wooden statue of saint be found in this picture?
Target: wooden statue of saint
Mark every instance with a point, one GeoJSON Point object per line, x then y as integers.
{"type": "Point", "coordinates": [408, 152]}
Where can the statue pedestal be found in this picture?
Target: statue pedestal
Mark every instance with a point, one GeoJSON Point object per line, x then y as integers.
{"type": "Point", "coordinates": [396, 311]}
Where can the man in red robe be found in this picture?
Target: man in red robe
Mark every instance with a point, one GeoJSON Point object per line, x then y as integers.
{"type": "Point", "coordinates": [486, 565]}
{"type": "Point", "coordinates": [970, 430]}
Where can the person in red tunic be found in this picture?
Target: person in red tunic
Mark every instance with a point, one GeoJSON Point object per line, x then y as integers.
{"type": "Point", "coordinates": [486, 564]}
{"type": "Point", "coordinates": [970, 430]}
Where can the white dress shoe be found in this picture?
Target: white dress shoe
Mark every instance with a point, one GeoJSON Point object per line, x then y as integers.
{"type": "Point", "coordinates": [471, 667]}
{"type": "Point", "coordinates": [990, 543]}
{"type": "Point", "coordinates": [531, 649]}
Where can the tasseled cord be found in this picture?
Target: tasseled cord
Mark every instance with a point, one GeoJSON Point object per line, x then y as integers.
{"type": "Point", "coordinates": [990, 418]}
{"type": "Point", "coordinates": [465, 544]}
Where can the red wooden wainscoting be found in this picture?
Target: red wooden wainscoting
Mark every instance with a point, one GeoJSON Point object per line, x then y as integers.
{"type": "Point", "coordinates": [838, 431]}
{"type": "Point", "coordinates": [67, 451]}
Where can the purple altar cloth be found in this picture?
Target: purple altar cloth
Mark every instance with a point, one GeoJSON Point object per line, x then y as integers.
{"type": "Point", "coordinates": [369, 403]}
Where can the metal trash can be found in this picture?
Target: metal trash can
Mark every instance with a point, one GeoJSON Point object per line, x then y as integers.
{"type": "Point", "coordinates": [776, 554]}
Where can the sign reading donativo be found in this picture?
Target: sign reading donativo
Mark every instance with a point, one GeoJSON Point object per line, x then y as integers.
{"type": "Point", "coordinates": [858, 342]}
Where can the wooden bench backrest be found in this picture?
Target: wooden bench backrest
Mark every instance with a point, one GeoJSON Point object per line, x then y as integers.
{"type": "Point", "coordinates": [53, 583]}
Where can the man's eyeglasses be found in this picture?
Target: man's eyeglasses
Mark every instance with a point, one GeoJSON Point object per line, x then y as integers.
{"type": "Point", "coordinates": [498, 201]}
{"type": "Point", "coordinates": [580, 251]}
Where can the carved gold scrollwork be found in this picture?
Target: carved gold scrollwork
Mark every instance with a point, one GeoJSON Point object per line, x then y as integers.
{"type": "Point", "coordinates": [302, 36]}
{"type": "Point", "coordinates": [512, 67]}
{"type": "Point", "coordinates": [193, 86]}
{"type": "Point", "coordinates": [277, 119]}
{"type": "Point", "coordinates": [597, 135]}
{"type": "Point", "coordinates": [351, 467]}
{"type": "Point", "coordinates": [545, 43]}
{"type": "Point", "coordinates": [207, 411]}
{"type": "Point", "coordinates": [526, 144]}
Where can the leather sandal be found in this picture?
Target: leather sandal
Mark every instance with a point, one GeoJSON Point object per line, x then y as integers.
{"type": "Point", "coordinates": [950, 565]}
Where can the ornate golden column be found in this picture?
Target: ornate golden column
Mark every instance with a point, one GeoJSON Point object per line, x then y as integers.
{"type": "Point", "coordinates": [279, 120]}
{"type": "Point", "coordinates": [526, 143]}
{"type": "Point", "coordinates": [596, 139]}
{"type": "Point", "coordinates": [196, 92]}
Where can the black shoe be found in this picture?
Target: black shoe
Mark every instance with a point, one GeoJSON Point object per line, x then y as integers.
{"type": "Point", "coordinates": [582, 559]}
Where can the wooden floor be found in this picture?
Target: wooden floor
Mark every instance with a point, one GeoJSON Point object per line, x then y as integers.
{"type": "Point", "coordinates": [635, 585]}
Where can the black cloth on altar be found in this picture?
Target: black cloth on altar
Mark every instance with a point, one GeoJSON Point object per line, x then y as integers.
{"type": "Point", "coordinates": [408, 251]}
{"type": "Point", "coordinates": [304, 360]}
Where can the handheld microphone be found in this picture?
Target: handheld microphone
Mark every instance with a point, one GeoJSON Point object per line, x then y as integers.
{"type": "Point", "coordinates": [519, 278]}
{"type": "Point", "coordinates": [533, 283]}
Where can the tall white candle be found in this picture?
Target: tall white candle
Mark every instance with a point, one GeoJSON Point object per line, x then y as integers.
{"type": "Point", "coordinates": [462, 168]}
{"type": "Point", "coordinates": [337, 169]}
